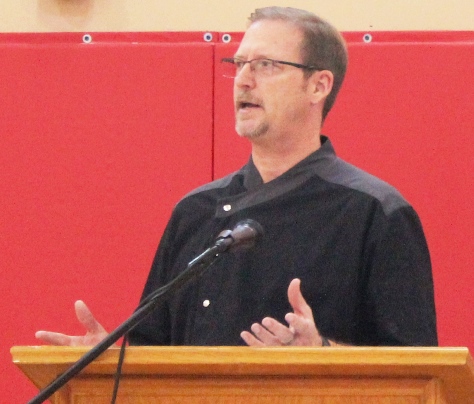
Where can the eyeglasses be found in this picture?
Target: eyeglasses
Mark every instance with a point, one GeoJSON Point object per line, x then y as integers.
{"type": "Point", "coordinates": [259, 67]}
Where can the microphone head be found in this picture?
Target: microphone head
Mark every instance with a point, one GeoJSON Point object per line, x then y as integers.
{"type": "Point", "coordinates": [245, 234]}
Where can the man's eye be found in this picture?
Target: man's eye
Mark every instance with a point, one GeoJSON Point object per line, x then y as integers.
{"type": "Point", "coordinates": [265, 63]}
{"type": "Point", "coordinates": [238, 64]}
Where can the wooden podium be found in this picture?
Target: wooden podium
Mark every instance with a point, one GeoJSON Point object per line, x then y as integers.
{"type": "Point", "coordinates": [258, 375]}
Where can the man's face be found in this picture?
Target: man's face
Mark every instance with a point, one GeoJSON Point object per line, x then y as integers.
{"type": "Point", "coordinates": [275, 105]}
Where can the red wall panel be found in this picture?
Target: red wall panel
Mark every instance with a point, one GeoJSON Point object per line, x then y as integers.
{"type": "Point", "coordinates": [97, 144]}
{"type": "Point", "coordinates": [405, 113]}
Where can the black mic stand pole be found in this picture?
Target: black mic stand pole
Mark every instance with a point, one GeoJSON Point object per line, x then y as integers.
{"type": "Point", "coordinates": [196, 267]}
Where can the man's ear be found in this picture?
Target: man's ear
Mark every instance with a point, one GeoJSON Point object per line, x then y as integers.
{"type": "Point", "coordinates": [322, 82]}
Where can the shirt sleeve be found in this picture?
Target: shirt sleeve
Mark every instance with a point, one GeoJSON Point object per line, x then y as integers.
{"type": "Point", "coordinates": [400, 286]}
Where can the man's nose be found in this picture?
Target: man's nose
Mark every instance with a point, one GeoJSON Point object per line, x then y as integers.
{"type": "Point", "coordinates": [245, 77]}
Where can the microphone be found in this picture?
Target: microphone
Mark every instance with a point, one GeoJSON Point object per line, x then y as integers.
{"type": "Point", "coordinates": [244, 235]}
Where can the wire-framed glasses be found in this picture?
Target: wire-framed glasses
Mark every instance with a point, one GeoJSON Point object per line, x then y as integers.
{"type": "Point", "coordinates": [259, 67]}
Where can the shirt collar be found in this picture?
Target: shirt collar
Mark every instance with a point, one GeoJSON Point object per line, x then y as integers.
{"type": "Point", "coordinates": [252, 178]}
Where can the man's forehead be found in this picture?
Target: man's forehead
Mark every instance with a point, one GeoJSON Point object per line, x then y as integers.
{"type": "Point", "coordinates": [270, 38]}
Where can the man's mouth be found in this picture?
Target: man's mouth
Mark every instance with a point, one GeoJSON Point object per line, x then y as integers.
{"type": "Point", "coordinates": [246, 105]}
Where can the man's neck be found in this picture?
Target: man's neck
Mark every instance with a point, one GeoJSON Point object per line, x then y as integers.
{"type": "Point", "coordinates": [272, 159]}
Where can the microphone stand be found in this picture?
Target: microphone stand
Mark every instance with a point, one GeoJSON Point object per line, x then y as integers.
{"type": "Point", "coordinates": [196, 267]}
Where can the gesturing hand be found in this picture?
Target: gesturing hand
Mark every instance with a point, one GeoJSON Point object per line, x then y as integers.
{"type": "Point", "coordinates": [95, 332]}
{"type": "Point", "coordinates": [301, 329]}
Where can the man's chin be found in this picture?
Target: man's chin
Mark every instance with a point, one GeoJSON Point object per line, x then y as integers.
{"type": "Point", "coordinates": [251, 132]}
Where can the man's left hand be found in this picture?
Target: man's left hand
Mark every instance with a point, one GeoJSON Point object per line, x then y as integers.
{"type": "Point", "coordinates": [300, 331]}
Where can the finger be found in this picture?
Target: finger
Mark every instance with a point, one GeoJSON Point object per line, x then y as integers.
{"type": "Point", "coordinates": [297, 301]}
{"type": "Point", "coordinates": [267, 337]}
{"type": "Point", "coordinates": [250, 339]}
{"type": "Point", "coordinates": [84, 315]}
{"type": "Point", "coordinates": [300, 325]}
{"type": "Point", "coordinates": [54, 338]}
{"type": "Point", "coordinates": [284, 334]}
{"type": "Point", "coordinates": [306, 333]}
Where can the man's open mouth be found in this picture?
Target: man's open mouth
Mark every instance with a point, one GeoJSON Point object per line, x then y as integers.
{"type": "Point", "coordinates": [245, 105]}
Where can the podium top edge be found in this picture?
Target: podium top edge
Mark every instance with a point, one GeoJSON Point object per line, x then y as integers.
{"type": "Point", "coordinates": [224, 354]}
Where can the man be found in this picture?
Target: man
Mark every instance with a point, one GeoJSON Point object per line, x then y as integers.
{"type": "Point", "coordinates": [349, 240]}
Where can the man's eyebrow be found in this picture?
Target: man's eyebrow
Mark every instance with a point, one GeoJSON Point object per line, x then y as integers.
{"type": "Point", "coordinates": [258, 56]}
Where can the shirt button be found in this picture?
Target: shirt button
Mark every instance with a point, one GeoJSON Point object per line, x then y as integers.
{"type": "Point", "coordinates": [227, 207]}
{"type": "Point", "coordinates": [206, 303]}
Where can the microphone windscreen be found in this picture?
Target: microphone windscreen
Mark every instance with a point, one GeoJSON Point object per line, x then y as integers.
{"type": "Point", "coordinates": [246, 233]}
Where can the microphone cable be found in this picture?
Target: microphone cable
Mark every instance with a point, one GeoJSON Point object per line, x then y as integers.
{"type": "Point", "coordinates": [118, 372]}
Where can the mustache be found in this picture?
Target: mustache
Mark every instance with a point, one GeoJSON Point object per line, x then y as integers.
{"type": "Point", "coordinates": [244, 97]}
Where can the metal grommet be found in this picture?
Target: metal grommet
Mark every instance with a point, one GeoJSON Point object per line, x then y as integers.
{"type": "Point", "coordinates": [87, 38]}
{"type": "Point", "coordinates": [226, 38]}
{"type": "Point", "coordinates": [207, 37]}
{"type": "Point", "coordinates": [367, 38]}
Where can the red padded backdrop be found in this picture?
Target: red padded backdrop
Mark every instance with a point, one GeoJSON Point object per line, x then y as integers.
{"type": "Point", "coordinates": [99, 141]}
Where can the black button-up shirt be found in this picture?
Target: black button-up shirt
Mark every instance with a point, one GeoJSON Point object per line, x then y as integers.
{"type": "Point", "coordinates": [356, 244]}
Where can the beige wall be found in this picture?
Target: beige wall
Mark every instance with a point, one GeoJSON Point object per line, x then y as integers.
{"type": "Point", "coordinates": [227, 15]}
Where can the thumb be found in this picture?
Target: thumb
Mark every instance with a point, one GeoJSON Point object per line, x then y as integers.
{"type": "Point", "coordinates": [297, 301]}
{"type": "Point", "coordinates": [85, 317]}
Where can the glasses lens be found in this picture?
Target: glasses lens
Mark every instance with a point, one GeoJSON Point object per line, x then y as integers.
{"type": "Point", "coordinates": [228, 68]}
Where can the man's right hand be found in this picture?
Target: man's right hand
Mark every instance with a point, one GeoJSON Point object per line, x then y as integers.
{"type": "Point", "coordinates": [95, 332]}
